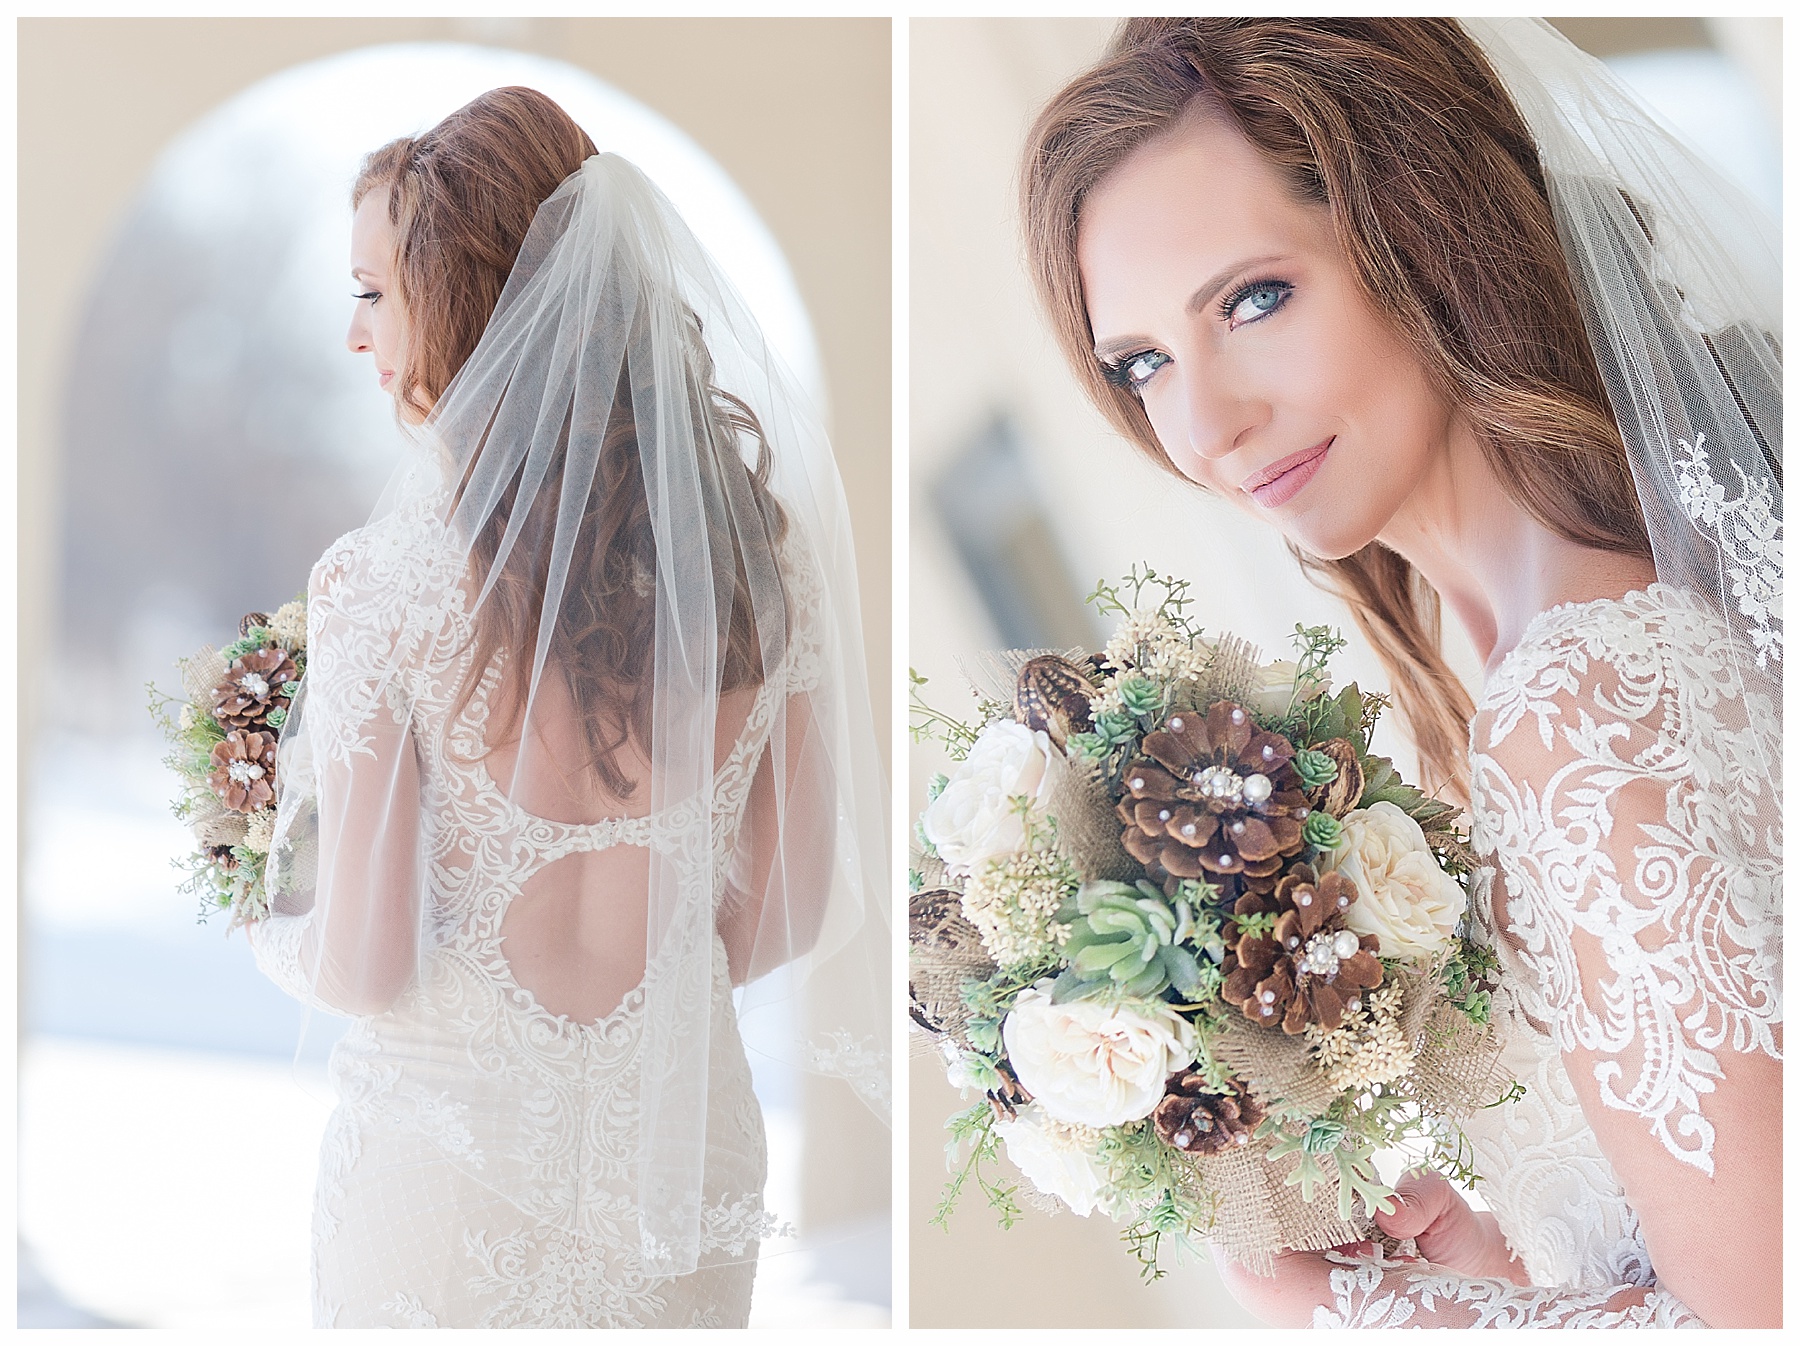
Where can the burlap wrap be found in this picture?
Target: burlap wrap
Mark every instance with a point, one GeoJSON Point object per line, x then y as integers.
{"type": "Point", "coordinates": [1456, 1071]}
{"type": "Point", "coordinates": [203, 672]}
{"type": "Point", "coordinates": [1087, 828]}
{"type": "Point", "coordinates": [946, 951]}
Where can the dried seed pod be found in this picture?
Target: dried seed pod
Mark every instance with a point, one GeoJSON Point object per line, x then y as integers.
{"type": "Point", "coordinates": [1053, 694]}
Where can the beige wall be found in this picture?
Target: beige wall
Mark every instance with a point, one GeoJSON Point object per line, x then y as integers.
{"type": "Point", "coordinates": [798, 112]}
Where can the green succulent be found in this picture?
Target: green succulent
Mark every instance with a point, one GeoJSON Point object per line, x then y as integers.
{"type": "Point", "coordinates": [1092, 746]}
{"type": "Point", "coordinates": [1140, 694]}
{"type": "Point", "coordinates": [1322, 830]}
{"type": "Point", "coordinates": [1315, 768]}
{"type": "Point", "coordinates": [1115, 726]}
{"type": "Point", "coordinates": [1127, 938]}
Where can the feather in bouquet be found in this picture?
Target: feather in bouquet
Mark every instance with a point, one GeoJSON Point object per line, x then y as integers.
{"type": "Point", "coordinates": [1203, 952]}
{"type": "Point", "coordinates": [223, 733]}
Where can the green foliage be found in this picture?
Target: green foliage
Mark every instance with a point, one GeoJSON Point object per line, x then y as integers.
{"type": "Point", "coordinates": [1128, 596]}
{"type": "Point", "coordinates": [1156, 1183]}
{"type": "Point", "coordinates": [931, 725]}
{"type": "Point", "coordinates": [975, 1129]}
{"type": "Point", "coordinates": [1470, 966]}
{"type": "Point", "coordinates": [1329, 1149]}
{"type": "Point", "coordinates": [1258, 924]}
{"type": "Point", "coordinates": [935, 786]}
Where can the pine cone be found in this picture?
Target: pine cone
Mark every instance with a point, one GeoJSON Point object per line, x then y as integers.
{"type": "Point", "coordinates": [1192, 1118]}
{"type": "Point", "coordinates": [1213, 796]}
{"type": "Point", "coordinates": [243, 770]}
{"type": "Point", "coordinates": [1343, 792]}
{"type": "Point", "coordinates": [1054, 695]}
{"type": "Point", "coordinates": [1009, 1097]}
{"type": "Point", "coordinates": [1311, 968]}
{"type": "Point", "coordinates": [224, 857]}
{"type": "Point", "coordinates": [252, 688]}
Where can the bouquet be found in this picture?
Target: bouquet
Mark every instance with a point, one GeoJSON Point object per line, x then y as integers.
{"type": "Point", "coordinates": [1202, 951]}
{"type": "Point", "coordinates": [223, 734]}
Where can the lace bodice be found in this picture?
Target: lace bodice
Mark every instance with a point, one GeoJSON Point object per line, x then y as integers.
{"type": "Point", "coordinates": [468, 1102]}
{"type": "Point", "coordinates": [1634, 903]}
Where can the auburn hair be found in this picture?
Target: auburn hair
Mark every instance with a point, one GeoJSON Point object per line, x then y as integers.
{"type": "Point", "coordinates": [1402, 131]}
{"type": "Point", "coordinates": [461, 198]}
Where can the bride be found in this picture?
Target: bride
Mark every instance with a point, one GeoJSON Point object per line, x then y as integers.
{"type": "Point", "coordinates": [1440, 303]}
{"type": "Point", "coordinates": [581, 772]}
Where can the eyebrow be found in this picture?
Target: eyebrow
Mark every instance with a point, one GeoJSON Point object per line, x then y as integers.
{"type": "Point", "coordinates": [1198, 300]}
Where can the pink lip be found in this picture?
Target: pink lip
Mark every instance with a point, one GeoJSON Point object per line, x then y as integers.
{"type": "Point", "coordinates": [387, 377]}
{"type": "Point", "coordinates": [1281, 481]}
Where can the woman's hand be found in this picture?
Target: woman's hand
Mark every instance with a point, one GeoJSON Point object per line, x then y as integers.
{"type": "Point", "coordinates": [1431, 1212]}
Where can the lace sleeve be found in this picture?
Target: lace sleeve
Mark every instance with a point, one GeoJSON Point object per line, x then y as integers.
{"type": "Point", "coordinates": [1376, 1293]}
{"type": "Point", "coordinates": [1638, 889]}
{"type": "Point", "coordinates": [350, 785]}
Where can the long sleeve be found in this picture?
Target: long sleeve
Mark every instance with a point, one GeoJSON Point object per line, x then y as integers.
{"type": "Point", "coordinates": [1636, 836]}
{"type": "Point", "coordinates": [1377, 1293]}
{"type": "Point", "coordinates": [344, 925]}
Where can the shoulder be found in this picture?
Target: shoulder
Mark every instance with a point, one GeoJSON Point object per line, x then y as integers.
{"type": "Point", "coordinates": [1657, 660]}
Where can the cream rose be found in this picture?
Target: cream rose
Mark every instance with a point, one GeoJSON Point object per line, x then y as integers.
{"type": "Point", "coordinates": [1402, 897]}
{"type": "Point", "coordinates": [974, 818]}
{"type": "Point", "coordinates": [1272, 688]}
{"type": "Point", "coordinates": [1056, 1157]}
{"type": "Point", "coordinates": [1091, 1063]}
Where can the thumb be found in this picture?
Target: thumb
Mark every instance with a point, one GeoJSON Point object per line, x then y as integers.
{"type": "Point", "coordinates": [1421, 1198]}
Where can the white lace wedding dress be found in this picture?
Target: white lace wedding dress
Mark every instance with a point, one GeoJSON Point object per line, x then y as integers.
{"type": "Point", "coordinates": [1627, 816]}
{"type": "Point", "coordinates": [480, 1167]}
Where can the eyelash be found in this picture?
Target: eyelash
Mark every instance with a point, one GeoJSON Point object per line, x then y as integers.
{"type": "Point", "coordinates": [1228, 305]}
{"type": "Point", "coordinates": [1117, 372]}
{"type": "Point", "coordinates": [371, 296]}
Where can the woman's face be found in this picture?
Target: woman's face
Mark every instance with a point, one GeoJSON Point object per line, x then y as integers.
{"type": "Point", "coordinates": [378, 326]}
{"type": "Point", "coordinates": [1225, 305]}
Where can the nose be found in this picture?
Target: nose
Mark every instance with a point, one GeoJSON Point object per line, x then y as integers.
{"type": "Point", "coordinates": [357, 338]}
{"type": "Point", "coordinates": [1217, 413]}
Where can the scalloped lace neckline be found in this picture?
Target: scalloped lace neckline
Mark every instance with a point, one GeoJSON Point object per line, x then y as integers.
{"type": "Point", "coordinates": [1540, 629]}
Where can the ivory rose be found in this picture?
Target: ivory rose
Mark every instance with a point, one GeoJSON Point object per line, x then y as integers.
{"type": "Point", "coordinates": [1402, 897]}
{"type": "Point", "coordinates": [974, 818]}
{"type": "Point", "coordinates": [1091, 1063]}
{"type": "Point", "coordinates": [1272, 688]}
{"type": "Point", "coordinates": [1055, 1157]}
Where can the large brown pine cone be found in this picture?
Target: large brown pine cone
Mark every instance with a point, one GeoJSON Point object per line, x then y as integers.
{"type": "Point", "coordinates": [1310, 969]}
{"type": "Point", "coordinates": [1192, 1118]}
{"type": "Point", "coordinates": [1213, 796]}
{"type": "Point", "coordinates": [243, 770]}
{"type": "Point", "coordinates": [252, 688]}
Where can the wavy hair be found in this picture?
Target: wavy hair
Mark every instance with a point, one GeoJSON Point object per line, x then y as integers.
{"type": "Point", "coordinates": [461, 199]}
{"type": "Point", "coordinates": [1401, 130]}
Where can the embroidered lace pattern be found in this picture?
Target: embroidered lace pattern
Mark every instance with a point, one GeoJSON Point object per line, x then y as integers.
{"type": "Point", "coordinates": [480, 1169]}
{"type": "Point", "coordinates": [1619, 795]}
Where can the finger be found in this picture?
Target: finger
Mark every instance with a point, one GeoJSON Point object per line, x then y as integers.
{"type": "Point", "coordinates": [1421, 1198]}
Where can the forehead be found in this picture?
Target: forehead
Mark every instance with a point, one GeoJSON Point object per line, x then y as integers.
{"type": "Point", "coordinates": [371, 234]}
{"type": "Point", "coordinates": [1179, 207]}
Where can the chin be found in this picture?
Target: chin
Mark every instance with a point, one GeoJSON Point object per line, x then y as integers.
{"type": "Point", "coordinates": [1328, 543]}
